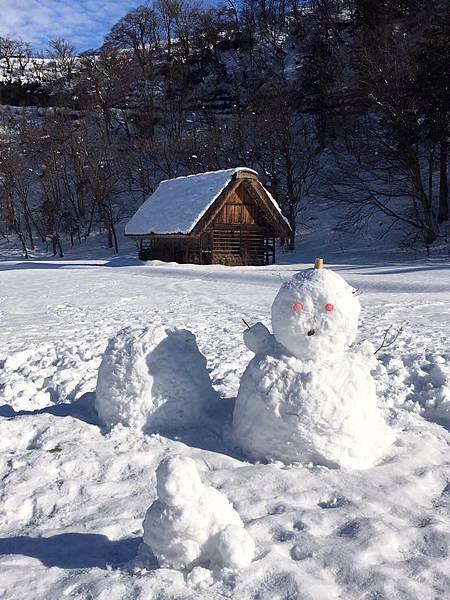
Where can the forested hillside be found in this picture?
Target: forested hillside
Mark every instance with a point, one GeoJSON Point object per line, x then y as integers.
{"type": "Point", "coordinates": [346, 100]}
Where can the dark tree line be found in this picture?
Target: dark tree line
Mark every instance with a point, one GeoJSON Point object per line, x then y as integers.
{"type": "Point", "coordinates": [343, 98]}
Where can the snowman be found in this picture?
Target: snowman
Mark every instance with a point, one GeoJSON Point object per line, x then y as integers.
{"type": "Point", "coordinates": [307, 396]}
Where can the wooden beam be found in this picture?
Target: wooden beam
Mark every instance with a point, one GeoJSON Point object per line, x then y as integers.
{"type": "Point", "coordinates": [273, 217]}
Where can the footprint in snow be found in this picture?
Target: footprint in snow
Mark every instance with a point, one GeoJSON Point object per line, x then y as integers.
{"type": "Point", "coordinates": [334, 502]}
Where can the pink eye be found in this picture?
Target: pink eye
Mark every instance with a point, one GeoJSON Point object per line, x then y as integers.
{"type": "Point", "coordinates": [297, 307]}
{"type": "Point", "coordinates": [329, 307]}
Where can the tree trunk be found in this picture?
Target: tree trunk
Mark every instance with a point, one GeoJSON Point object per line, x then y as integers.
{"type": "Point", "coordinates": [430, 175]}
{"type": "Point", "coordinates": [24, 246]}
{"type": "Point", "coordinates": [169, 44]}
{"type": "Point", "coordinates": [30, 232]}
{"type": "Point", "coordinates": [293, 225]}
{"type": "Point", "coordinates": [429, 218]}
{"type": "Point", "coordinates": [58, 244]}
{"type": "Point", "coordinates": [116, 243]}
{"type": "Point", "coordinates": [91, 219]}
{"type": "Point", "coordinates": [443, 211]}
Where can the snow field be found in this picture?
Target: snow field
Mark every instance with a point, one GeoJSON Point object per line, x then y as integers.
{"type": "Point", "coordinates": [73, 496]}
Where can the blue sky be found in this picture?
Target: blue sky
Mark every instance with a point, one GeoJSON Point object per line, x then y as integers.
{"type": "Point", "coordinates": [82, 22]}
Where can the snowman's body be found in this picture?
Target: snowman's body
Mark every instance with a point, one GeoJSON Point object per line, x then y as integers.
{"type": "Point", "coordinates": [305, 396]}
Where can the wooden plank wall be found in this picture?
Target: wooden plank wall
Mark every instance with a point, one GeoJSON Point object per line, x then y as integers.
{"type": "Point", "coordinates": [239, 209]}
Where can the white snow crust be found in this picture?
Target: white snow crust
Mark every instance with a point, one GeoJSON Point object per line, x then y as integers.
{"type": "Point", "coordinates": [153, 379]}
{"type": "Point", "coordinates": [192, 524]}
{"type": "Point", "coordinates": [178, 204]}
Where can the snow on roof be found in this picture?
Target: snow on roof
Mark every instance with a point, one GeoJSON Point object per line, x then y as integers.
{"type": "Point", "coordinates": [177, 205]}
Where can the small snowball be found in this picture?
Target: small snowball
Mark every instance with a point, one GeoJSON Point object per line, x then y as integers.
{"type": "Point", "coordinates": [235, 547]}
{"type": "Point", "coordinates": [192, 524]}
{"type": "Point", "coordinates": [199, 577]}
{"type": "Point", "coordinates": [258, 339]}
{"type": "Point", "coordinates": [153, 379]}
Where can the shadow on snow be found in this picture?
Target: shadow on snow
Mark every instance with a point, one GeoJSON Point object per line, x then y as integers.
{"type": "Point", "coordinates": [67, 263]}
{"type": "Point", "coordinates": [82, 409]}
{"type": "Point", "coordinates": [210, 438]}
{"type": "Point", "coordinates": [73, 550]}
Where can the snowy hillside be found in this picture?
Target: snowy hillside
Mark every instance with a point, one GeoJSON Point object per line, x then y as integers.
{"type": "Point", "coordinates": [74, 496]}
{"type": "Point", "coordinates": [27, 69]}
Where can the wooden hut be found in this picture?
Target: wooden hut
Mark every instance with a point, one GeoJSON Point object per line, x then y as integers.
{"type": "Point", "coordinates": [222, 217]}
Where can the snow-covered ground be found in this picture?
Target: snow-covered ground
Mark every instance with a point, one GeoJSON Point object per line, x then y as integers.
{"type": "Point", "coordinates": [73, 496]}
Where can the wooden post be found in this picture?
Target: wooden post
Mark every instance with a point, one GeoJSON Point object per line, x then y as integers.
{"type": "Point", "coordinates": [319, 263]}
{"type": "Point", "coordinates": [241, 249]}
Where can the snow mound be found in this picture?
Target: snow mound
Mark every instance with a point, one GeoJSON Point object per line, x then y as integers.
{"type": "Point", "coordinates": [306, 397]}
{"type": "Point", "coordinates": [153, 379]}
{"type": "Point", "coordinates": [315, 314]}
{"type": "Point", "coordinates": [192, 524]}
{"type": "Point", "coordinates": [417, 381]}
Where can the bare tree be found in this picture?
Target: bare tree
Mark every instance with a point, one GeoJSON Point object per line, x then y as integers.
{"type": "Point", "coordinates": [286, 152]}
{"type": "Point", "coordinates": [8, 50]}
{"type": "Point", "coordinates": [168, 11]}
{"type": "Point", "coordinates": [14, 195]}
{"type": "Point", "coordinates": [107, 188]}
{"type": "Point", "coordinates": [23, 55]}
{"type": "Point", "coordinates": [371, 176]}
{"type": "Point", "coordinates": [63, 57]}
{"type": "Point", "coordinates": [104, 83]}
{"type": "Point", "coordinates": [138, 31]}
{"type": "Point", "coordinates": [391, 157]}
{"type": "Point", "coordinates": [186, 20]}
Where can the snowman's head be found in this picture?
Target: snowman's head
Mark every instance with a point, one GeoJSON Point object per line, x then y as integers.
{"type": "Point", "coordinates": [178, 481]}
{"type": "Point", "coordinates": [315, 314]}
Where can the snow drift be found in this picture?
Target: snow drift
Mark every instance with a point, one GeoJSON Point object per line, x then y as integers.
{"type": "Point", "coordinates": [306, 397]}
{"type": "Point", "coordinates": [192, 524]}
{"type": "Point", "coordinates": [154, 379]}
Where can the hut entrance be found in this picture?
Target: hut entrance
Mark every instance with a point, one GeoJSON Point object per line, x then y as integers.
{"type": "Point", "coordinates": [243, 245]}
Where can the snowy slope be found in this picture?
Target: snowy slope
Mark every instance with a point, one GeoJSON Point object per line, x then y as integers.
{"type": "Point", "coordinates": [73, 497]}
